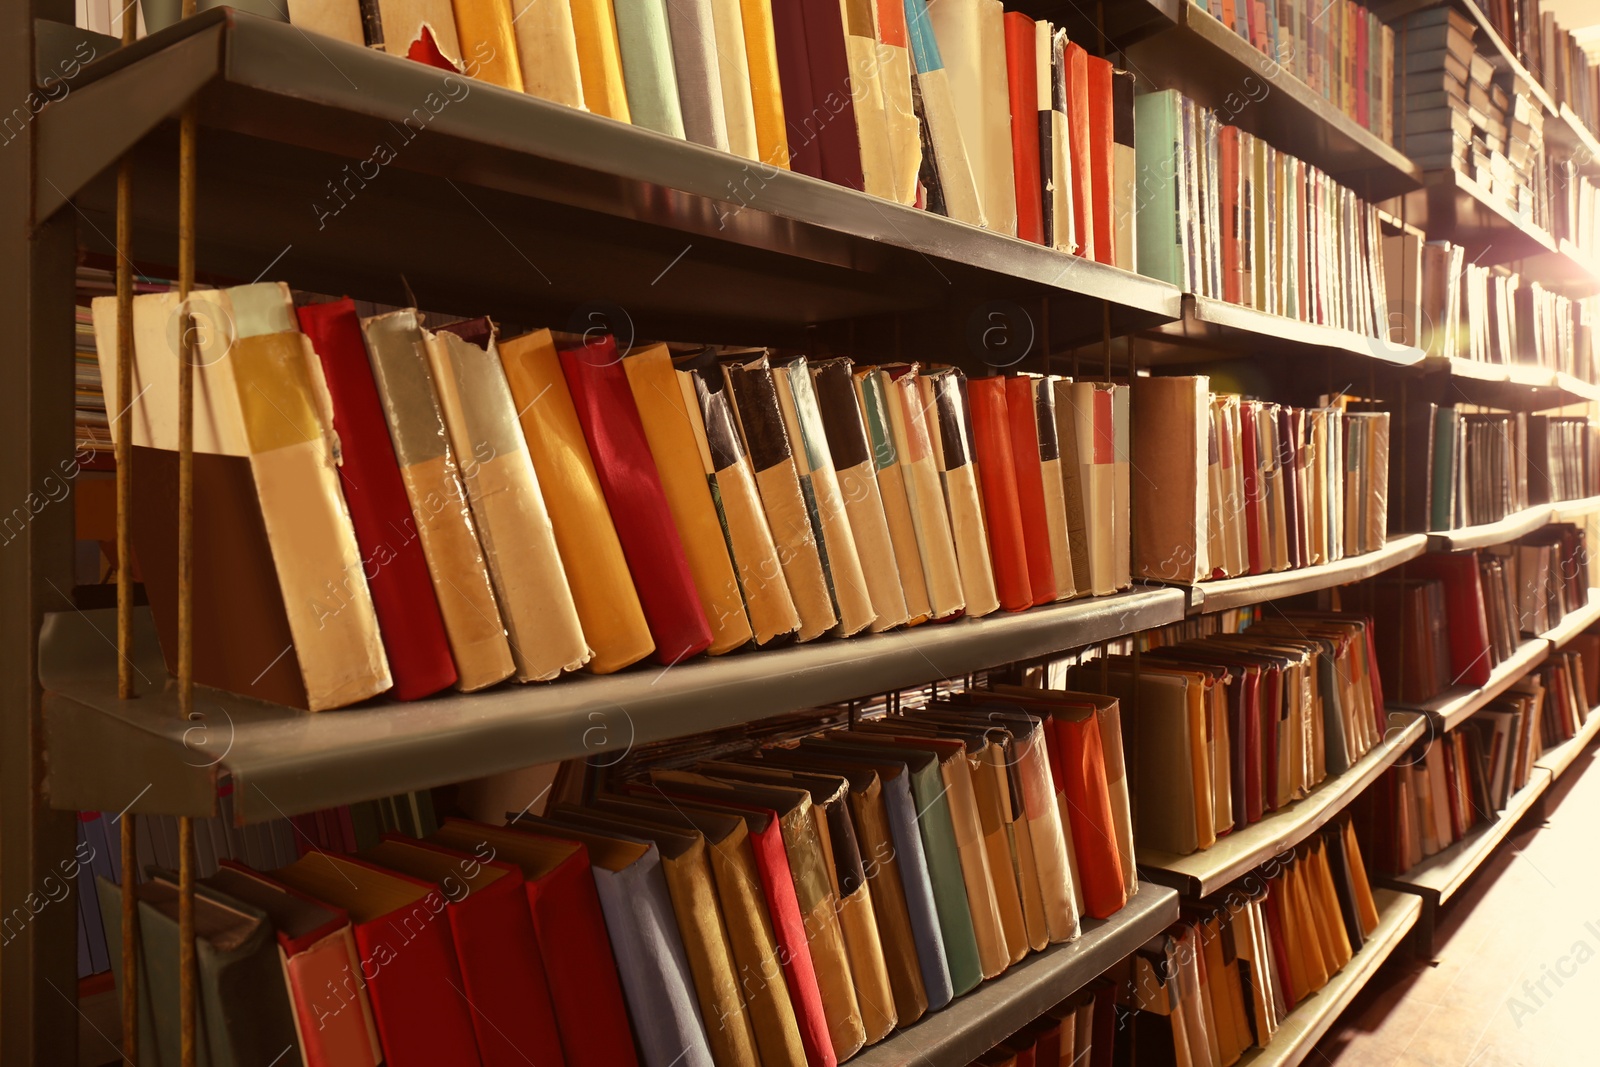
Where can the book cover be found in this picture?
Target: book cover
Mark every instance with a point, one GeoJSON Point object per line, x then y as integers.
{"type": "Point", "coordinates": [1044, 515]}
{"type": "Point", "coordinates": [644, 43]}
{"type": "Point", "coordinates": [487, 41]}
{"type": "Point", "coordinates": [1022, 82]}
{"type": "Point", "coordinates": [547, 50]}
{"type": "Point", "coordinates": [697, 70]}
{"type": "Point", "coordinates": [991, 440]}
{"type": "Point", "coordinates": [766, 90]}
{"type": "Point", "coordinates": [943, 393]}
{"type": "Point", "coordinates": [831, 120]}
{"type": "Point", "coordinates": [947, 158]}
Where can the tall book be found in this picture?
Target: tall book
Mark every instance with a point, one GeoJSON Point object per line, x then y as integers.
{"type": "Point", "coordinates": [991, 442]}
{"type": "Point", "coordinates": [866, 88]}
{"type": "Point", "coordinates": [651, 539]}
{"type": "Point", "coordinates": [760, 417]}
{"type": "Point", "coordinates": [1102, 112]}
{"type": "Point", "coordinates": [1169, 523]}
{"type": "Point", "coordinates": [1075, 85]}
{"type": "Point", "coordinates": [697, 71]}
{"type": "Point", "coordinates": [915, 451]}
{"type": "Point", "coordinates": [487, 41]}
{"type": "Point", "coordinates": [1022, 80]}
{"type": "Point", "coordinates": [834, 385]}
{"type": "Point", "coordinates": [873, 401]}
{"type": "Point", "coordinates": [1158, 240]}
{"type": "Point", "coordinates": [644, 42]}
{"type": "Point", "coordinates": [1124, 171]}
{"type": "Point", "coordinates": [283, 610]}
{"type": "Point", "coordinates": [798, 97]}
{"type": "Point", "coordinates": [444, 523]}
{"type": "Point", "coordinates": [393, 559]}
{"type": "Point", "coordinates": [1039, 488]}
{"type": "Point", "coordinates": [947, 166]}
{"type": "Point", "coordinates": [943, 393]}
{"type": "Point", "coordinates": [519, 542]}
{"type": "Point", "coordinates": [602, 588]}
{"type": "Point", "coordinates": [766, 90]}
{"type": "Point", "coordinates": [896, 70]}
{"type": "Point", "coordinates": [971, 40]}
{"type": "Point", "coordinates": [670, 426]}
{"type": "Point", "coordinates": [594, 28]}
{"type": "Point", "coordinates": [733, 76]}
{"type": "Point", "coordinates": [832, 119]}
{"type": "Point", "coordinates": [547, 46]}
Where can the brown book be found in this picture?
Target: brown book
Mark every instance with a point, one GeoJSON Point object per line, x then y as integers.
{"type": "Point", "coordinates": [1170, 498]}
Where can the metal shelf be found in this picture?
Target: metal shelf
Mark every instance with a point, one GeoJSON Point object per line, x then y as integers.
{"type": "Point", "coordinates": [1452, 206]}
{"type": "Point", "coordinates": [1228, 593]}
{"type": "Point", "coordinates": [1557, 758]}
{"type": "Point", "coordinates": [1440, 875]}
{"type": "Point", "coordinates": [1214, 66]}
{"type": "Point", "coordinates": [1211, 327]}
{"type": "Point", "coordinates": [1312, 1017]}
{"type": "Point", "coordinates": [1509, 528]}
{"type": "Point", "coordinates": [1457, 703]}
{"type": "Point", "coordinates": [1202, 873]}
{"type": "Point", "coordinates": [104, 752]}
{"type": "Point", "coordinates": [545, 209]}
{"type": "Point", "coordinates": [1000, 1007]}
{"type": "Point", "coordinates": [1513, 387]}
{"type": "Point", "coordinates": [1574, 622]}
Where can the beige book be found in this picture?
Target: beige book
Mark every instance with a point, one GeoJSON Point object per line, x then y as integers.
{"type": "Point", "coordinates": [519, 542]}
{"type": "Point", "coordinates": [1170, 501]}
{"type": "Point", "coordinates": [738, 104]}
{"type": "Point", "coordinates": [944, 401]}
{"type": "Point", "coordinates": [873, 399]}
{"type": "Point", "coordinates": [971, 40]}
{"type": "Point", "coordinates": [866, 89]}
{"type": "Point", "coordinates": [924, 494]}
{"type": "Point", "coordinates": [341, 21]}
{"type": "Point", "coordinates": [1086, 428]}
{"type": "Point", "coordinates": [1016, 878]}
{"type": "Point", "coordinates": [288, 424]}
{"type": "Point", "coordinates": [439, 505]}
{"type": "Point", "coordinates": [813, 462]}
{"type": "Point", "coordinates": [1043, 390]}
{"type": "Point", "coordinates": [547, 45]}
{"type": "Point", "coordinates": [895, 71]}
{"type": "Point", "coordinates": [405, 22]}
{"type": "Point", "coordinates": [1122, 488]}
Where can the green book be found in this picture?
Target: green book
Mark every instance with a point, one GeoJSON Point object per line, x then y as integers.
{"type": "Point", "coordinates": [648, 72]}
{"type": "Point", "coordinates": [1158, 153]}
{"type": "Point", "coordinates": [1443, 498]}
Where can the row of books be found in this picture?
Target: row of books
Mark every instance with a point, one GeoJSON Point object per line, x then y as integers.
{"type": "Point", "coordinates": [1553, 55]}
{"type": "Point", "coordinates": [217, 839]}
{"type": "Point", "coordinates": [960, 107]}
{"type": "Point", "coordinates": [1253, 225]}
{"type": "Point", "coordinates": [1081, 1031]}
{"type": "Point", "coordinates": [475, 508]}
{"type": "Point", "coordinates": [1448, 306]}
{"type": "Point", "coordinates": [1460, 114]}
{"type": "Point", "coordinates": [1234, 486]}
{"type": "Point", "coordinates": [1575, 208]}
{"type": "Point", "coordinates": [1225, 978]}
{"type": "Point", "coordinates": [786, 906]}
{"type": "Point", "coordinates": [1341, 50]}
{"type": "Point", "coordinates": [1232, 727]}
{"type": "Point", "coordinates": [1571, 681]}
{"type": "Point", "coordinates": [1481, 467]}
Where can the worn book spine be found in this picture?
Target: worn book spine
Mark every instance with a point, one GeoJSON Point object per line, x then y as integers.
{"type": "Point", "coordinates": [1022, 48]}
{"type": "Point", "coordinates": [1101, 117]}
{"type": "Point", "coordinates": [862, 49]}
{"type": "Point", "coordinates": [644, 43]}
{"type": "Point", "coordinates": [547, 47]}
{"type": "Point", "coordinates": [991, 440]}
{"type": "Point", "coordinates": [594, 28]}
{"type": "Point", "coordinates": [915, 453]}
{"type": "Point", "coordinates": [670, 430]}
{"type": "Point", "coordinates": [873, 402]}
{"type": "Point", "coordinates": [1075, 77]}
{"type": "Point", "coordinates": [488, 43]}
{"type": "Point", "coordinates": [519, 542]}
{"type": "Point", "coordinates": [896, 70]}
{"type": "Point", "coordinates": [952, 163]}
{"type": "Point", "coordinates": [444, 523]}
{"type": "Point", "coordinates": [1023, 428]}
{"type": "Point", "coordinates": [288, 424]}
{"type": "Point", "coordinates": [1064, 210]}
{"type": "Point", "coordinates": [949, 429]}
{"type": "Point", "coordinates": [1052, 489]}
{"type": "Point", "coordinates": [423, 30]}
{"type": "Point", "coordinates": [608, 605]}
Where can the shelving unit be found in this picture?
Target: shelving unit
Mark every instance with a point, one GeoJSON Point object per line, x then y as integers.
{"type": "Point", "coordinates": [1509, 528]}
{"type": "Point", "coordinates": [1209, 326]}
{"type": "Point", "coordinates": [1227, 593]}
{"type": "Point", "coordinates": [1558, 758]}
{"type": "Point", "coordinates": [1453, 707]}
{"type": "Point", "coordinates": [1001, 1006]}
{"type": "Point", "coordinates": [1439, 876]}
{"type": "Point", "coordinates": [1398, 914]}
{"type": "Point", "coordinates": [1202, 873]}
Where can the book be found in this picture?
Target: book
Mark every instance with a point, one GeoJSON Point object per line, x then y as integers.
{"type": "Point", "coordinates": [602, 589]}
{"type": "Point", "coordinates": [943, 395]}
{"type": "Point", "coordinates": [1169, 541]}
{"type": "Point", "coordinates": [519, 544]}
{"type": "Point", "coordinates": [1101, 121]}
{"type": "Point", "coordinates": [872, 393]}
{"type": "Point", "coordinates": [422, 30]}
{"type": "Point", "coordinates": [485, 35]}
{"type": "Point", "coordinates": [733, 79]}
{"type": "Point", "coordinates": [970, 35]}
{"type": "Point", "coordinates": [831, 119]}
{"type": "Point", "coordinates": [1075, 84]}
{"type": "Point", "coordinates": [670, 426]}
{"type": "Point", "coordinates": [697, 69]}
{"type": "Point", "coordinates": [991, 439]}
{"type": "Point", "coordinates": [896, 71]}
{"type": "Point", "coordinates": [1125, 172]}
{"type": "Point", "coordinates": [547, 51]}
{"type": "Point", "coordinates": [369, 476]}
{"type": "Point", "coordinates": [766, 92]}
{"type": "Point", "coordinates": [1159, 248]}
{"type": "Point", "coordinates": [947, 173]}
{"type": "Point", "coordinates": [644, 43]}
{"type": "Point", "coordinates": [1039, 486]}
{"type": "Point", "coordinates": [1022, 81]}
{"type": "Point", "coordinates": [651, 540]}
{"type": "Point", "coordinates": [443, 518]}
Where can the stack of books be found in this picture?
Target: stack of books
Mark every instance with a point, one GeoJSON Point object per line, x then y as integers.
{"type": "Point", "coordinates": [1235, 486]}
{"type": "Point", "coordinates": [1224, 215]}
{"type": "Point", "coordinates": [1340, 49]}
{"type": "Point", "coordinates": [1460, 115]}
{"type": "Point", "coordinates": [789, 903]}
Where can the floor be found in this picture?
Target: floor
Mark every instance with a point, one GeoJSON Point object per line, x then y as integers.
{"type": "Point", "coordinates": [1515, 976]}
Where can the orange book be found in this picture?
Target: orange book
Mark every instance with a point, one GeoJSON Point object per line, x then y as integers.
{"type": "Point", "coordinates": [488, 45]}
{"type": "Point", "coordinates": [1075, 72]}
{"type": "Point", "coordinates": [997, 479]}
{"type": "Point", "coordinates": [1100, 161]}
{"type": "Point", "coordinates": [1022, 415]}
{"type": "Point", "coordinates": [1022, 80]}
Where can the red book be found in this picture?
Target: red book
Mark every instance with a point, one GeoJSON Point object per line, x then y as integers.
{"type": "Point", "coordinates": [406, 957]}
{"type": "Point", "coordinates": [794, 86]}
{"type": "Point", "coordinates": [1252, 484]}
{"type": "Point", "coordinates": [1471, 659]}
{"type": "Point", "coordinates": [1101, 124]}
{"type": "Point", "coordinates": [1024, 416]}
{"type": "Point", "coordinates": [832, 119]}
{"type": "Point", "coordinates": [1094, 833]}
{"type": "Point", "coordinates": [397, 571]}
{"type": "Point", "coordinates": [1228, 195]}
{"type": "Point", "coordinates": [1077, 85]}
{"type": "Point", "coordinates": [501, 975]}
{"type": "Point", "coordinates": [569, 930]}
{"type": "Point", "coordinates": [638, 504]}
{"type": "Point", "coordinates": [997, 478]}
{"type": "Point", "coordinates": [789, 929]}
{"type": "Point", "coordinates": [1022, 50]}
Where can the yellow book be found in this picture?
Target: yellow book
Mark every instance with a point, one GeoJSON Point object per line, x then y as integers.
{"type": "Point", "coordinates": [766, 97]}
{"type": "Point", "coordinates": [594, 23]}
{"type": "Point", "coordinates": [608, 605]}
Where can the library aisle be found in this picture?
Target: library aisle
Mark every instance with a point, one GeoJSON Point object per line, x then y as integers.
{"type": "Point", "coordinates": [1515, 974]}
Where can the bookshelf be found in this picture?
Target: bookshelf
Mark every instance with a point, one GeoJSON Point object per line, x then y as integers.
{"type": "Point", "coordinates": [1558, 758]}
{"type": "Point", "coordinates": [1227, 593]}
{"type": "Point", "coordinates": [1215, 326]}
{"type": "Point", "coordinates": [1515, 386]}
{"type": "Point", "coordinates": [1202, 873]}
{"type": "Point", "coordinates": [1213, 65]}
{"type": "Point", "coordinates": [1572, 510]}
{"type": "Point", "coordinates": [1574, 622]}
{"type": "Point", "coordinates": [1456, 704]}
{"type": "Point", "coordinates": [1513, 526]}
{"type": "Point", "coordinates": [974, 1023]}
{"type": "Point", "coordinates": [1398, 914]}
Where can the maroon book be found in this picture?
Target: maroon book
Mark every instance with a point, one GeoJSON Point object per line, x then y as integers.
{"type": "Point", "coordinates": [391, 554]}
{"type": "Point", "coordinates": [632, 488]}
{"type": "Point", "coordinates": [794, 85]}
{"type": "Point", "coordinates": [831, 119]}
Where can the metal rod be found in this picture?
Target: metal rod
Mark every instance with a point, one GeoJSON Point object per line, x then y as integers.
{"type": "Point", "coordinates": [187, 1016]}
{"type": "Point", "coordinates": [130, 942]}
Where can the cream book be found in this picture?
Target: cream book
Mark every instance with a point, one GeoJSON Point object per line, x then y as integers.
{"type": "Point", "coordinates": [519, 541]}
{"type": "Point", "coordinates": [944, 401]}
{"type": "Point", "coordinates": [914, 449]}
{"type": "Point", "coordinates": [873, 400]}
{"type": "Point", "coordinates": [547, 45]}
